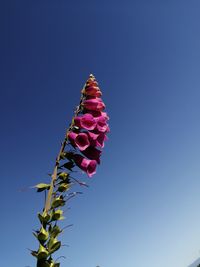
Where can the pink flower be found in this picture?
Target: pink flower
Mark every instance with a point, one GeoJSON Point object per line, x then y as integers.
{"type": "Point", "coordinates": [87, 165]}
{"type": "Point", "coordinates": [102, 125]}
{"type": "Point", "coordinates": [93, 91]}
{"type": "Point", "coordinates": [80, 140]}
{"type": "Point", "coordinates": [95, 104]}
{"type": "Point", "coordinates": [97, 114]}
{"type": "Point", "coordinates": [92, 136]}
{"type": "Point", "coordinates": [97, 139]}
{"type": "Point", "coordinates": [100, 140]}
{"type": "Point", "coordinates": [86, 121]}
{"type": "Point", "coordinates": [92, 153]}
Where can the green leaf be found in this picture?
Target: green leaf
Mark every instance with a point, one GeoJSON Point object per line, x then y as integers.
{"type": "Point", "coordinates": [55, 231]}
{"type": "Point", "coordinates": [63, 187]}
{"type": "Point", "coordinates": [44, 217]}
{"type": "Point", "coordinates": [57, 202]}
{"type": "Point", "coordinates": [41, 187]}
{"type": "Point", "coordinates": [64, 176]}
{"type": "Point", "coordinates": [62, 155]}
{"type": "Point", "coordinates": [57, 215]}
{"type": "Point", "coordinates": [43, 235]}
{"type": "Point", "coordinates": [69, 165]}
{"type": "Point", "coordinates": [68, 155]}
{"type": "Point", "coordinates": [42, 253]}
{"type": "Point", "coordinates": [53, 245]}
{"type": "Point", "coordinates": [56, 264]}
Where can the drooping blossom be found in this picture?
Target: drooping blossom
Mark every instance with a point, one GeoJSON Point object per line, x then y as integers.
{"type": "Point", "coordinates": [95, 104]}
{"type": "Point", "coordinates": [87, 165]}
{"type": "Point", "coordinates": [92, 136]}
{"type": "Point", "coordinates": [90, 128]}
{"type": "Point", "coordinates": [92, 91]}
{"type": "Point", "coordinates": [80, 140]}
{"type": "Point", "coordinates": [92, 153]}
{"type": "Point", "coordinates": [100, 140]}
{"type": "Point", "coordinates": [87, 121]}
{"type": "Point", "coordinates": [97, 139]}
{"type": "Point", "coordinates": [102, 125]}
{"type": "Point", "coordinates": [97, 114]}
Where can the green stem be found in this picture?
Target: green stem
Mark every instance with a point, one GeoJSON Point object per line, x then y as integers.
{"type": "Point", "coordinates": [54, 176]}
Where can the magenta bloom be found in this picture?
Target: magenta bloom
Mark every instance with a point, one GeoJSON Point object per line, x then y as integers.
{"type": "Point", "coordinates": [80, 140]}
{"type": "Point", "coordinates": [93, 136]}
{"type": "Point", "coordinates": [90, 128]}
{"type": "Point", "coordinates": [97, 139]}
{"type": "Point", "coordinates": [87, 121]}
{"type": "Point", "coordinates": [95, 104]}
{"type": "Point", "coordinates": [92, 153]}
{"type": "Point", "coordinates": [102, 125]}
{"type": "Point", "coordinates": [98, 114]}
{"type": "Point", "coordinates": [92, 90]}
{"type": "Point", "coordinates": [87, 165]}
{"type": "Point", "coordinates": [100, 140]}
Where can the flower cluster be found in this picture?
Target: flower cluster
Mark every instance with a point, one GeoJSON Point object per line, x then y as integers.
{"type": "Point", "coordinates": [89, 128]}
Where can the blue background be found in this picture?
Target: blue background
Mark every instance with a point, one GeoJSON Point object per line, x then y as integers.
{"type": "Point", "coordinates": [143, 206]}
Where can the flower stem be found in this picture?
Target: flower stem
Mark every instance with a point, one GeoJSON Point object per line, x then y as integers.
{"type": "Point", "coordinates": [54, 176]}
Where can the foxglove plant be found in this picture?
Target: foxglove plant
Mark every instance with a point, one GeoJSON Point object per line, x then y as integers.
{"type": "Point", "coordinates": [82, 148]}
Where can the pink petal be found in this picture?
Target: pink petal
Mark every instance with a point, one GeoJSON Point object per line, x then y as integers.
{"type": "Point", "coordinates": [82, 141]}
{"type": "Point", "coordinates": [95, 104]}
{"type": "Point", "coordinates": [87, 165]}
{"type": "Point", "coordinates": [71, 137]}
{"type": "Point", "coordinates": [92, 153]}
{"type": "Point", "coordinates": [91, 169]}
{"type": "Point", "coordinates": [87, 122]}
{"type": "Point", "coordinates": [100, 140]}
{"type": "Point", "coordinates": [77, 121]}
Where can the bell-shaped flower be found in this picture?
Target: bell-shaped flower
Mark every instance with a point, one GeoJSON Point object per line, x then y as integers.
{"type": "Point", "coordinates": [92, 153]}
{"type": "Point", "coordinates": [98, 114]}
{"type": "Point", "coordinates": [95, 104]}
{"type": "Point", "coordinates": [102, 125]}
{"type": "Point", "coordinates": [100, 140]}
{"type": "Point", "coordinates": [87, 121]}
{"type": "Point", "coordinates": [87, 165]}
{"type": "Point", "coordinates": [79, 140]}
{"type": "Point", "coordinates": [97, 139]}
{"type": "Point", "coordinates": [92, 91]}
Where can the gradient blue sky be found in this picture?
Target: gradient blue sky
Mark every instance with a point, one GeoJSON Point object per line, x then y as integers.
{"type": "Point", "coordinates": [143, 206]}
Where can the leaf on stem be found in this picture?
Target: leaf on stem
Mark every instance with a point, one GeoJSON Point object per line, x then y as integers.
{"type": "Point", "coordinates": [44, 217]}
{"type": "Point", "coordinates": [57, 202]}
{"type": "Point", "coordinates": [42, 253]}
{"type": "Point", "coordinates": [41, 187]}
{"type": "Point", "coordinates": [57, 215]}
{"type": "Point", "coordinates": [63, 187]}
{"type": "Point", "coordinates": [55, 231]}
{"type": "Point", "coordinates": [53, 245]}
{"type": "Point", "coordinates": [43, 235]}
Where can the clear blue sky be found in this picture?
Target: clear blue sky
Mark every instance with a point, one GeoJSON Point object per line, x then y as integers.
{"type": "Point", "coordinates": [143, 206]}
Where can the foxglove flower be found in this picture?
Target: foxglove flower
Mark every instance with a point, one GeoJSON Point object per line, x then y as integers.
{"type": "Point", "coordinates": [93, 91]}
{"type": "Point", "coordinates": [80, 140]}
{"type": "Point", "coordinates": [95, 104]}
{"type": "Point", "coordinates": [92, 153]}
{"type": "Point", "coordinates": [87, 165]}
{"type": "Point", "coordinates": [90, 128]}
{"type": "Point", "coordinates": [82, 148]}
{"type": "Point", "coordinates": [87, 121]}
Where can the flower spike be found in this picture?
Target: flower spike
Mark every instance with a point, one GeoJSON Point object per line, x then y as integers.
{"type": "Point", "coordinates": [82, 149]}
